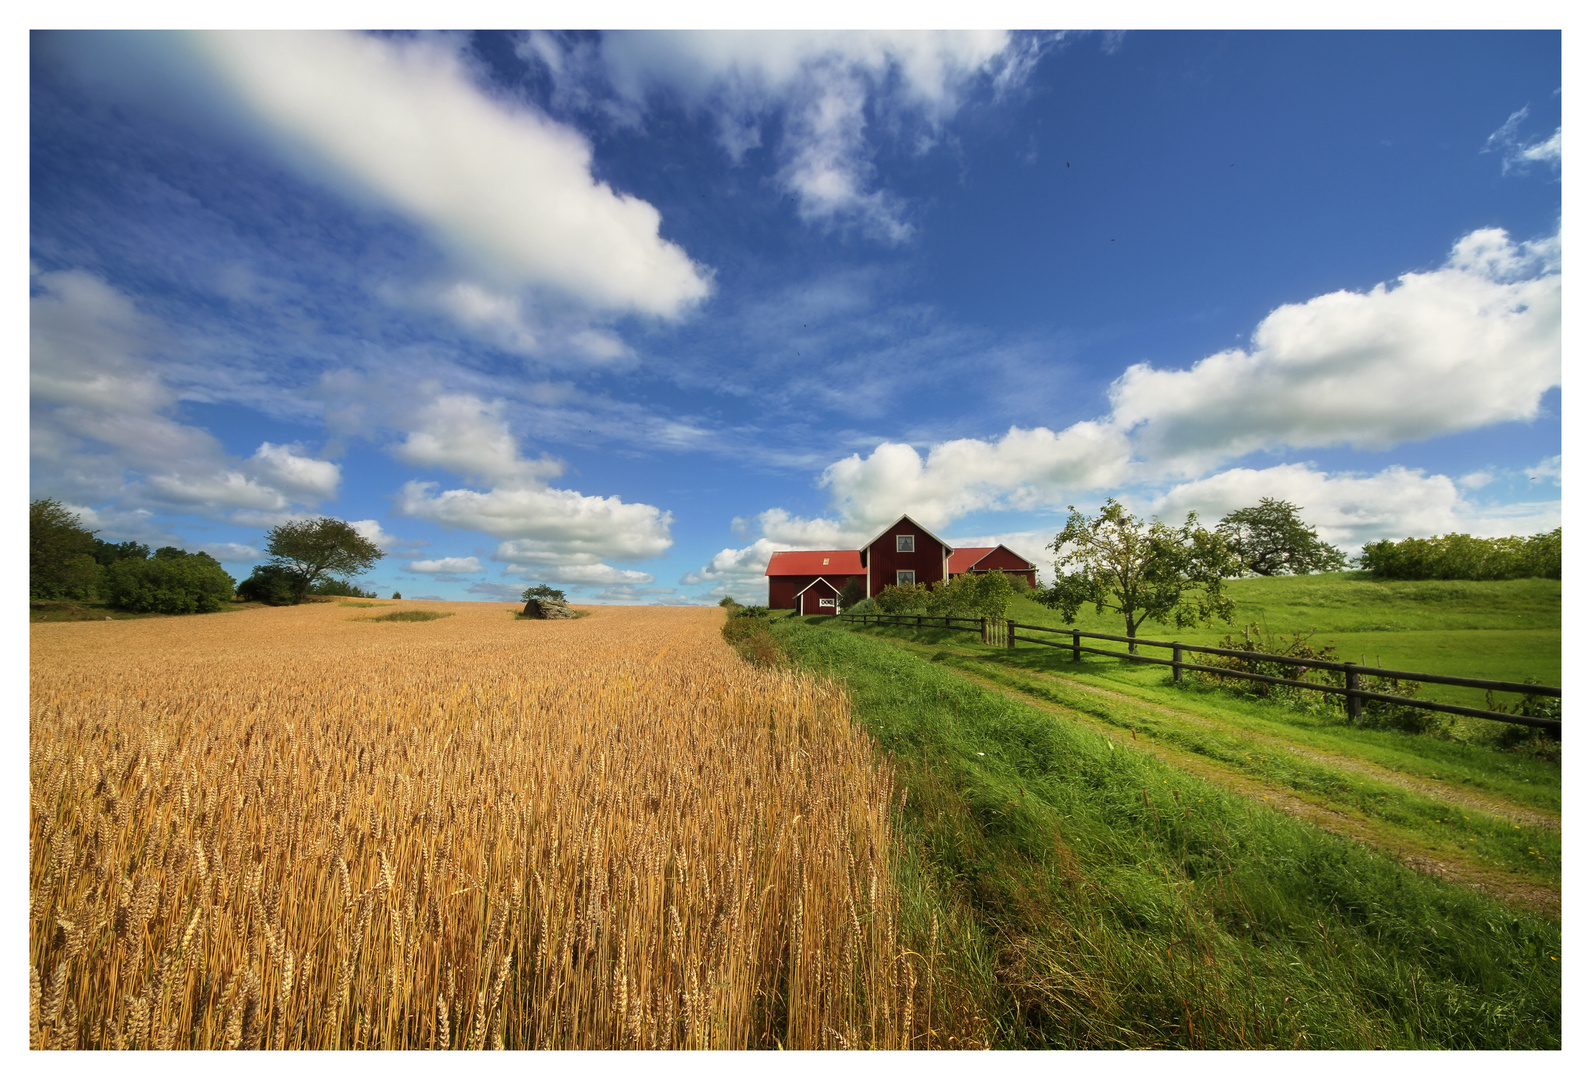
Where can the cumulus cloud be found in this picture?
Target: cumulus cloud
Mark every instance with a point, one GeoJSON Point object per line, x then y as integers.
{"type": "Point", "coordinates": [824, 88]}
{"type": "Point", "coordinates": [1350, 509]}
{"type": "Point", "coordinates": [497, 183]}
{"type": "Point", "coordinates": [371, 530]}
{"type": "Point", "coordinates": [537, 524]}
{"type": "Point", "coordinates": [233, 553]}
{"type": "Point", "coordinates": [104, 418]}
{"type": "Point", "coordinates": [1471, 343]}
{"type": "Point", "coordinates": [1519, 153]}
{"type": "Point", "coordinates": [587, 574]}
{"type": "Point", "coordinates": [452, 565]}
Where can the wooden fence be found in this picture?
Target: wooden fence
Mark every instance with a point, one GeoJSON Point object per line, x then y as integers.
{"type": "Point", "coordinates": [1003, 633]}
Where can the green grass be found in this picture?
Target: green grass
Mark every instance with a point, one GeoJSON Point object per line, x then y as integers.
{"type": "Point", "coordinates": [404, 616]}
{"type": "Point", "coordinates": [1504, 630]}
{"type": "Point", "coordinates": [1095, 897]}
{"type": "Point", "coordinates": [363, 603]}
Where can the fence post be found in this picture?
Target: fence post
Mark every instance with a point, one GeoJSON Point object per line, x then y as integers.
{"type": "Point", "coordinates": [1010, 633]}
{"type": "Point", "coordinates": [1176, 661]}
{"type": "Point", "coordinates": [983, 625]}
{"type": "Point", "coordinates": [1077, 647]}
{"type": "Point", "coordinates": [1351, 683]}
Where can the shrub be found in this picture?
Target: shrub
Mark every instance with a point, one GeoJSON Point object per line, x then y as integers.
{"type": "Point", "coordinates": [397, 596]}
{"type": "Point", "coordinates": [541, 592]}
{"type": "Point", "coordinates": [752, 639]}
{"type": "Point", "coordinates": [182, 585]}
{"type": "Point", "coordinates": [334, 587]}
{"type": "Point", "coordinates": [899, 599]}
{"type": "Point", "coordinates": [975, 596]}
{"type": "Point", "coordinates": [270, 584]}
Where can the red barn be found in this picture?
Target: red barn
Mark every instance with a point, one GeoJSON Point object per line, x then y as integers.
{"type": "Point", "coordinates": [904, 553]}
{"type": "Point", "coordinates": [1001, 559]}
{"type": "Point", "coordinates": [793, 574]}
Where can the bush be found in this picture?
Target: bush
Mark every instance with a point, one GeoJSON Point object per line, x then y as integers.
{"type": "Point", "coordinates": [1459, 556]}
{"type": "Point", "coordinates": [974, 596]}
{"type": "Point", "coordinates": [900, 599]}
{"type": "Point", "coordinates": [1383, 715]}
{"type": "Point", "coordinates": [541, 592]}
{"type": "Point", "coordinates": [270, 584]}
{"type": "Point", "coordinates": [397, 596]}
{"type": "Point", "coordinates": [334, 587]}
{"type": "Point", "coordinates": [752, 639]}
{"type": "Point", "coordinates": [182, 585]}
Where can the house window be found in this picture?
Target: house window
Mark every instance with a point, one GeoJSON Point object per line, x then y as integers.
{"type": "Point", "coordinates": [905, 577]}
{"type": "Point", "coordinates": [825, 601]}
{"type": "Point", "coordinates": [825, 562]}
{"type": "Point", "coordinates": [905, 543]}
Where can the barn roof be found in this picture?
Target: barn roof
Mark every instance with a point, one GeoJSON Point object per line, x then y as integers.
{"type": "Point", "coordinates": [964, 559]}
{"type": "Point", "coordinates": [815, 562]}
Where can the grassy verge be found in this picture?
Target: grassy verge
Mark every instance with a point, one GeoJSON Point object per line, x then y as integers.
{"type": "Point", "coordinates": [1100, 898]}
{"type": "Point", "coordinates": [99, 611]}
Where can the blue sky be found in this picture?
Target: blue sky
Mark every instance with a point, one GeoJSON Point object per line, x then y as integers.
{"type": "Point", "coordinates": [626, 312]}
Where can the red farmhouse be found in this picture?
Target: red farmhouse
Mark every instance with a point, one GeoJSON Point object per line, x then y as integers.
{"type": "Point", "coordinates": [905, 553]}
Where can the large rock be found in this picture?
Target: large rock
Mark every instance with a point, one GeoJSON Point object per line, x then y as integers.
{"type": "Point", "coordinates": [544, 608]}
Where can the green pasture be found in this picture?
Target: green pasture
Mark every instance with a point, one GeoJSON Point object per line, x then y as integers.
{"type": "Point", "coordinates": [1085, 894]}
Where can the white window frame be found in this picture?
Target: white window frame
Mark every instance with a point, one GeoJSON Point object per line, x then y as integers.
{"type": "Point", "coordinates": [905, 577]}
{"type": "Point", "coordinates": [905, 542]}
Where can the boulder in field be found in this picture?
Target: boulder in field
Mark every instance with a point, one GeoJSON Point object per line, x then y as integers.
{"type": "Point", "coordinates": [544, 608]}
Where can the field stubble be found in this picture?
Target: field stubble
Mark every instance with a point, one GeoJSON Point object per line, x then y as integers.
{"type": "Point", "coordinates": [290, 829]}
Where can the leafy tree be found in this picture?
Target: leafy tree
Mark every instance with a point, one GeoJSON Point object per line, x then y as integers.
{"type": "Point", "coordinates": [60, 553]}
{"type": "Point", "coordinates": [311, 552]}
{"type": "Point", "coordinates": [1464, 557]}
{"type": "Point", "coordinates": [726, 602]}
{"type": "Point", "coordinates": [269, 584]}
{"type": "Point", "coordinates": [170, 553]}
{"type": "Point", "coordinates": [106, 553]}
{"type": "Point", "coordinates": [1141, 571]}
{"type": "Point", "coordinates": [397, 596]}
{"type": "Point", "coordinates": [547, 592]}
{"type": "Point", "coordinates": [175, 585]}
{"type": "Point", "coordinates": [1272, 539]}
{"type": "Point", "coordinates": [976, 596]}
{"type": "Point", "coordinates": [854, 592]}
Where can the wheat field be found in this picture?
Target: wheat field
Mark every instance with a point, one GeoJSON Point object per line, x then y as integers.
{"type": "Point", "coordinates": [296, 828]}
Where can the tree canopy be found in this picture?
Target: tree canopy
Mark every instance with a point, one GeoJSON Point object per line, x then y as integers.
{"type": "Point", "coordinates": [1272, 539]}
{"type": "Point", "coordinates": [311, 552]}
{"type": "Point", "coordinates": [179, 584]}
{"type": "Point", "coordinates": [547, 592]}
{"type": "Point", "coordinates": [60, 553]}
{"type": "Point", "coordinates": [1157, 571]}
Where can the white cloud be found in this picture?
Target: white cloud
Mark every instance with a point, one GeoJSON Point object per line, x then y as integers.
{"type": "Point", "coordinates": [467, 565]}
{"type": "Point", "coordinates": [739, 568]}
{"type": "Point", "coordinates": [371, 530]}
{"type": "Point", "coordinates": [1474, 342]}
{"type": "Point", "coordinates": [586, 574]}
{"type": "Point", "coordinates": [1519, 153]}
{"type": "Point", "coordinates": [233, 553]}
{"type": "Point", "coordinates": [1349, 509]}
{"type": "Point", "coordinates": [468, 436]}
{"type": "Point", "coordinates": [308, 478]}
{"type": "Point", "coordinates": [1025, 469]}
{"type": "Point", "coordinates": [820, 85]}
{"type": "Point", "coordinates": [494, 181]}
{"type": "Point", "coordinates": [102, 421]}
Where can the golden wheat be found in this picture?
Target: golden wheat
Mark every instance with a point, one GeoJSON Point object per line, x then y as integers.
{"type": "Point", "coordinates": [289, 828]}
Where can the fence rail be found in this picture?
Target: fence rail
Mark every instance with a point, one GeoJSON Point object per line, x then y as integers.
{"type": "Point", "coordinates": [1003, 632]}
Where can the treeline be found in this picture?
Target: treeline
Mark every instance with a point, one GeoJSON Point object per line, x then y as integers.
{"type": "Point", "coordinates": [66, 561]}
{"type": "Point", "coordinates": [1459, 556]}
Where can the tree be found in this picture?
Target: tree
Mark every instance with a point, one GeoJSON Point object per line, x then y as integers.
{"type": "Point", "coordinates": [1156, 571]}
{"type": "Point", "coordinates": [977, 596]}
{"type": "Point", "coordinates": [1271, 539]}
{"type": "Point", "coordinates": [397, 596]}
{"type": "Point", "coordinates": [106, 553]}
{"type": "Point", "coordinates": [309, 552]}
{"type": "Point", "coordinates": [547, 592]}
{"type": "Point", "coordinates": [60, 553]}
{"type": "Point", "coordinates": [179, 584]}
{"type": "Point", "coordinates": [268, 584]}
{"type": "Point", "coordinates": [855, 592]}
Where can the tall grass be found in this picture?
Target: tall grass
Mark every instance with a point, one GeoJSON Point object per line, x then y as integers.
{"type": "Point", "coordinates": [279, 832]}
